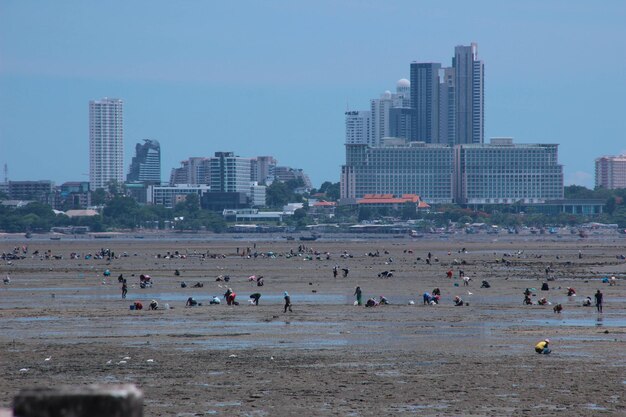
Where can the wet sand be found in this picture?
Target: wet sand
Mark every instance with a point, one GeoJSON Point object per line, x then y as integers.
{"type": "Point", "coordinates": [328, 357]}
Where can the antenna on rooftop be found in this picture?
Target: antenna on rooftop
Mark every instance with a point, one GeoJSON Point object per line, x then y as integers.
{"type": "Point", "coordinates": [6, 173]}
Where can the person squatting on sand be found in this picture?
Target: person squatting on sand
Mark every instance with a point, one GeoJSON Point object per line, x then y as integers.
{"type": "Point", "coordinates": [230, 296]}
{"type": "Point", "coordinates": [371, 302]}
{"type": "Point", "coordinates": [542, 347]}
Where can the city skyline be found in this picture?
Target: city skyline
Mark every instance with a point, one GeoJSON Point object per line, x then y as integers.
{"type": "Point", "coordinates": [205, 76]}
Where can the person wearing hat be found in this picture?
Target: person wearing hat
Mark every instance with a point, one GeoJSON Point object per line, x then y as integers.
{"type": "Point", "coordinates": [542, 347]}
{"type": "Point", "coordinates": [287, 302]}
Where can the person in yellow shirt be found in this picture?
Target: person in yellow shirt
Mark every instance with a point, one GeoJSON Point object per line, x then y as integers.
{"type": "Point", "coordinates": [542, 347]}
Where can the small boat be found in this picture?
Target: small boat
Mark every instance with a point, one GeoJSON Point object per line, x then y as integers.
{"type": "Point", "coordinates": [309, 238]}
{"type": "Point", "coordinates": [55, 238]}
{"type": "Point", "coordinates": [138, 237]}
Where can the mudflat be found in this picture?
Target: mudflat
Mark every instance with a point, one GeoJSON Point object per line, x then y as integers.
{"type": "Point", "coordinates": [63, 322]}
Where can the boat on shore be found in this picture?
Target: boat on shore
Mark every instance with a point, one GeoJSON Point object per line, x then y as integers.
{"type": "Point", "coordinates": [310, 238]}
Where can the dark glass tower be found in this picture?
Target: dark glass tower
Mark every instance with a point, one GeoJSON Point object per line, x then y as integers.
{"type": "Point", "coordinates": [425, 101]}
{"type": "Point", "coordinates": [469, 80]}
{"type": "Point", "coordinates": [146, 164]}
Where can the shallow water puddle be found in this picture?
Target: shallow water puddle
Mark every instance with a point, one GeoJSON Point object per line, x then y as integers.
{"type": "Point", "coordinates": [606, 322]}
{"type": "Point", "coordinates": [592, 406]}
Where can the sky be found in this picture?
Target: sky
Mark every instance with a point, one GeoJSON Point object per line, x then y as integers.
{"type": "Point", "coordinates": [274, 77]}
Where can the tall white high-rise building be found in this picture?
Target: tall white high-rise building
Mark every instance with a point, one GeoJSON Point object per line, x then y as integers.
{"type": "Point", "coordinates": [380, 111]}
{"type": "Point", "coordinates": [106, 142]}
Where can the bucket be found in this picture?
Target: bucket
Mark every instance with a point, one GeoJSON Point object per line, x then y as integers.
{"type": "Point", "coordinates": [132, 306]}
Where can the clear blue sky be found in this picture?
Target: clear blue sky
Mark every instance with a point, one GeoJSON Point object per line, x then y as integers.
{"type": "Point", "coordinates": [274, 77]}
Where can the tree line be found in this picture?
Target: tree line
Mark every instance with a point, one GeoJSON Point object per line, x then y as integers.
{"type": "Point", "coordinates": [121, 212]}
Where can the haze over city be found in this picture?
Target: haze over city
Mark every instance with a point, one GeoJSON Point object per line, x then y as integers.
{"type": "Point", "coordinates": [274, 78]}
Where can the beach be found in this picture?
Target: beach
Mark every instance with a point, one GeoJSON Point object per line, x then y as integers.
{"type": "Point", "coordinates": [63, 322]}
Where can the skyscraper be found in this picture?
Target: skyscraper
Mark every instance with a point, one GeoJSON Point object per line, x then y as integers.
{"type": "Point", "coordinates": [425, 101]}
{"type": "Point", "coordinates": [469, 90]}
{"type": "Point", "coordinates": [106, 142]}
{"type": "Point", "coordinates": [448, 103]}
{"type": "Point", "coordinates": [447, 121]}
{"type": "Point", "coordinates": [146, 164]}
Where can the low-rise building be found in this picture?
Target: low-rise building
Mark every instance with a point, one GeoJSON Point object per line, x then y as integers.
{"type": "Point", "coordinates": [41, 191]}
{"type": "Point", "coordinates": [391, 202]}
{"type": "Point", "coordinates": [252, 215]}
{"type": "Point", "coordinates": [169, 196]}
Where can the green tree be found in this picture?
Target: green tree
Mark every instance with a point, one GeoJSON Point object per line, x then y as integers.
{"type": "Point", "coordinates": [365, 213]}
{"type": "Point", "coordinates": [611, 205]}
{"type": "Point", "coordinates": [98, 197]}
{"type": "Point", "coordinates": [277, 194]}
{"type": "Point", "coordinates": [121, 212]}
{"type": "Point", "coordinates": [331, 190]}
{"type": "Point", "coordinates": [408, 211]}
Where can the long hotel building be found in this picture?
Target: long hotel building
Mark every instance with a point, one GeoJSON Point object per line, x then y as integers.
{"type": "Point", "coordinates": [497, 173]}
{"type": "Point", "coordinates": [504, 173]}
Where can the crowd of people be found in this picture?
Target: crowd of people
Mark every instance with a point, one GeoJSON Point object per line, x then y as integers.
{"type": "Point", "coordinates": [430, 298]}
